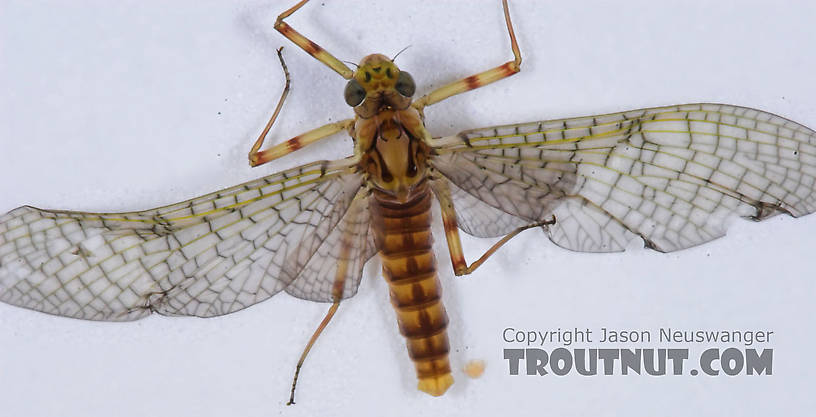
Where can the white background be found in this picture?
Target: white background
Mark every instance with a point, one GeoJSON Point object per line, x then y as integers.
{"type": "Point", "coordinates": [132, 104]}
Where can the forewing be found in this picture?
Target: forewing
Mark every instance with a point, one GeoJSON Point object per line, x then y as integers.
{"type": "Point", "coordinates": [208, 256]}
{"type": "Point", "coordinates": [671, 175]}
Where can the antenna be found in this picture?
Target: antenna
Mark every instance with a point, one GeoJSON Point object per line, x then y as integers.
{"type": "Point", "coordinates": [398, 53]}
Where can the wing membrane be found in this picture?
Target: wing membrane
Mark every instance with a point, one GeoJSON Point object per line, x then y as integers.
{"type": "Point", "coordinates": [479, 219]}
{"type": "Point", "coordinates": [208, 256]}
{"type": "Point", "coordinates": [671, 175]}
{"type": "Point", "coordinates": [340, 256]}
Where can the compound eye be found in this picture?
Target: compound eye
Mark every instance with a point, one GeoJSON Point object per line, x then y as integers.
{"type": "Point", "coordinates": [354, 93]}
{"type": "Point", "coordinates": [405, 84]}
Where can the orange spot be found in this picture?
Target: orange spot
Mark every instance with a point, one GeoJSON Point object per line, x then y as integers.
{"type": "Point", "coordinates": [473, 82]}
{"type": "Point", "coordinates": [509, 69]}
{"type": "Point", "coordinates": [459, 265]}
{"type": "Point", "coordinates": [475, 368]}
{"type": "Point", "coordinates": [294, 144]}
{"type": "Point", "coordinates": [450, 226]}
{"type": "Point", "coordinates": [312, 48]}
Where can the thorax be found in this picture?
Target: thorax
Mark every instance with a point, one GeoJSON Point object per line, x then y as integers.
{"type": "Point", "coordinates": [393, 149]}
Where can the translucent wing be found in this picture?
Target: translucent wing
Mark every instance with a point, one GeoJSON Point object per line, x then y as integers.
{"type": "Point", "coordinates": [671, 175]}
{"type": "Point", "coordinates": [342, 253]}
{"type": "Point", "coordinates": [479, 219]}
{"type": "Point", "coordinates": [208, 256]}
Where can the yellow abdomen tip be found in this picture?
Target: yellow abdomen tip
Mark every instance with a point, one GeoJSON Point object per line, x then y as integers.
{"type": "Point", "coordinates": [436, 385]}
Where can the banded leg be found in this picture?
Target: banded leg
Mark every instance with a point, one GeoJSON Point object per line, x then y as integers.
{"type": "Point", "coordinates": [481, 79]}
{"type": "Point", "coordinates": [307, 45]}
{"type": "Point", "coordinates": [337, 296]}
{"type": "Point", "coordinates": [460, 266]}
{"type": "Point", "coordinates": [258, 157]}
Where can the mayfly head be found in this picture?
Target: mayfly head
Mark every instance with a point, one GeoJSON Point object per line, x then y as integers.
{"type": "Point", "coordinates": [378, 84]}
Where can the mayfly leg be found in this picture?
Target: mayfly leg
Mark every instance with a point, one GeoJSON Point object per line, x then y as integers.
{"type": "Point", "coordinates": [312, 340]}
{"type": "Point", "coordinates": [457, 255]}
{"type": "Point", "coordinates": [337, 296]}
{"type": "Point", "coordinates": [478, 80]}
{"type": "Point", "coordinates": [258, 157]}
{"type": "Point", "coordinates": [307, 45]}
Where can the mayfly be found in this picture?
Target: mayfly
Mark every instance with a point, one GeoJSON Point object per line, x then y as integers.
{"type": "Point", "coordinates": [669, 175]}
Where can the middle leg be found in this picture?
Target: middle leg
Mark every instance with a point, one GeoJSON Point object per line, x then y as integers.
{"type": "Point", "coordinates": [337, 296]}
{"type": "Point", "coordinates": [460, 266]}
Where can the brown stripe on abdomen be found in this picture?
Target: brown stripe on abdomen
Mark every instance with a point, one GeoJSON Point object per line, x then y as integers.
{"type": "Point", "coordinates": [403, 236]}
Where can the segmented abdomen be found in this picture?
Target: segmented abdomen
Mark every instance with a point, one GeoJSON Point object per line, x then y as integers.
{"type": "Point", "coordinates": [403, 236]}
